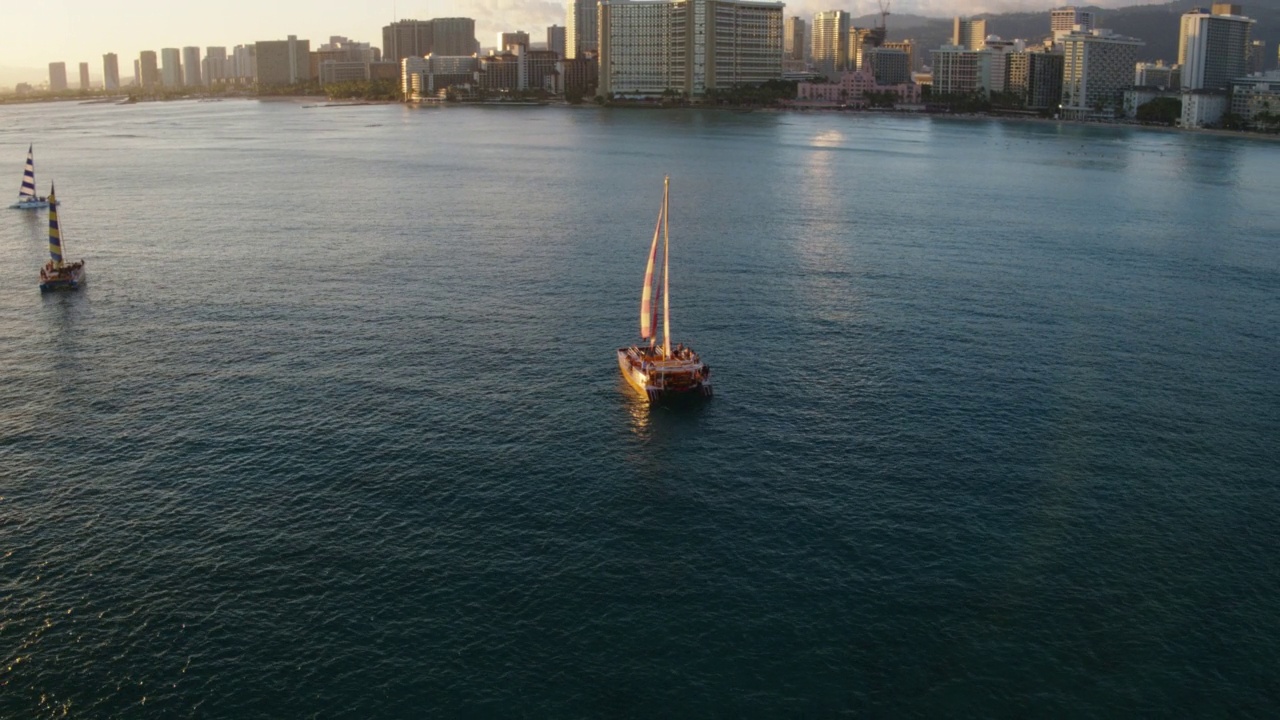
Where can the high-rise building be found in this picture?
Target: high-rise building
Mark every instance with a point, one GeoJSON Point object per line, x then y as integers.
{"type": "Point", "coordinates": [500, 71]}
{"type": "Point", "coordinates": [1097, 66]}
{"type": "Point", "coordinates": [1213, 49]}
{"type": "Point", "coordinates": [537, 68]}
{"type": "Point", "coordinates": [969, 33]}
{"type": "Point", "coordinates": [1157, 75]}
{"type": "Point", "coordinates": [955, 70]}
{"type": "Point", "coordinates": [171, 67]}
{"type": "Point", "coordinates": [793, 38]}
{"type": "Point", "coordinates": [454, 36]}
{"type": "Point", "coordinates": [345, 49]}
{"type": "Point", "coordinates": [1257, 56]}
{"type": "Point", "coordinates": [993, 64]}
{"type": "Point", "coordinates": [84, 76]}
{"type": "Point", "coordinates": [57, 76]}
{"type": "Point", "coordinates": [110, 72]}
{"type": "Point", "coordinates": [284, 62]}
{"type": "Point", "coordinates": [216, 68]}
{"type": "Point", "coordinates": [1043, 87]}
{"type": "Point", "coordinates": [148, 69]}
{"type": "Point", "coordinates": [451, 37]}
{"type": "Point", "coordinates": [829, 40]}
{"type": "Point", "coordinates": [137, 73]}
{"type": "Point", "coordinates": [687, 46]}
{"type": "Point", "coordinates": [908, 47]}
{"type": "Point", "coordinates": [581, 34]}
{"type": "Point", "coordinates": [1063, 20]}
{"type": "Point", "coordinates": [191, 76]}
{"type": "Point", "coordinates": [555, 39]}
{"type": "Point", "coordinates": [861, 40]}
{"type": "Point", "coordinates": [509, 40]}
{"type": "Point", "coordinates": [244, 62]}
{"type": "Point", "coordinates": [887, 65]}
{"type": "Point", "coordinates": [407, 38]}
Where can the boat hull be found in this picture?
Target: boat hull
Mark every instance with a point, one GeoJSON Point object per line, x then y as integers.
{"type": "Point", "coordinates": [652, 386]}
{"type": "Point", "coordinates": [69, 279]}
{"type": "Point", "coordinates": [31, 204]}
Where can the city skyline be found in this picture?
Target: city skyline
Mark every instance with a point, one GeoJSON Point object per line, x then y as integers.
{"type": "Point", "coordinates": [75, 31]}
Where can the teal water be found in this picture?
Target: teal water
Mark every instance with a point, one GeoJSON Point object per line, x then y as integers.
{"type": "Point", "coordinates": [336, 429]}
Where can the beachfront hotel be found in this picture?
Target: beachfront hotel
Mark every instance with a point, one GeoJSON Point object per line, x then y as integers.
{"type": "Point", "coordinates": [1213, 47]}
{"type": "Point", "coordinates": [651, 49]}
{"type": "Point", "coordinates": [1097, 69]}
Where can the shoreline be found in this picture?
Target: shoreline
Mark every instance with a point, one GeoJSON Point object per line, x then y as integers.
{"type": "Point", "coordinates": [322, 101]}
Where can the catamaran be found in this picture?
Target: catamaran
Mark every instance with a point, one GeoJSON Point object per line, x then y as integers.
{"type": "Point", "coordinates": [27, 198]}
{"type": "Point", "coordinates": [662, 372]}
{"type": "Point", "coordinates": [56, 274]}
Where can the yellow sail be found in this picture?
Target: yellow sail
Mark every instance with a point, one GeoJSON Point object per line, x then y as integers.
{"type": "Point", "coordinates": [55, 233]}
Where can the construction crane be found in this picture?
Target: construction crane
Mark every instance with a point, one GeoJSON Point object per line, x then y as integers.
{"type": "Point", "coordinates": [879, 33]}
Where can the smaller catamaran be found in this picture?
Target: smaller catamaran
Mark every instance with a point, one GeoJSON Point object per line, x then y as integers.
{"type": "Point", "coordinates": [56, 274]}
{"type": "Point", "coordinates": [27, 198]}
{"type": "Point", "coordinates": [660, 371]}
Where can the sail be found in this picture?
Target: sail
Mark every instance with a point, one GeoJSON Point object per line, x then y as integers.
{"type": "Point", "coordinates": [28, 178]}
{"type": "Point", "coordinates": [648, 303]}
{"type": "Point", "coordinates": [55, 235]}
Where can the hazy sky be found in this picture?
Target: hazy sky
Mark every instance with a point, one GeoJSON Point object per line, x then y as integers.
{"type": "Point", "coordinates": [38, 32]}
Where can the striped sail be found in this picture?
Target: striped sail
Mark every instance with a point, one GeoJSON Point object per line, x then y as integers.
{"type": "Point", "coordinates": [648, 301]}
{"type": "Point", "coordinates": [55, 235]}
{"type": "Point", "coordinates": [28, 190]}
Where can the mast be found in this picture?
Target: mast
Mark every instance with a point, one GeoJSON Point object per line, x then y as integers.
{"type": "Point", "coordinates": [55, 234]}
{"type": "Point", "coordinates": [666, 277]}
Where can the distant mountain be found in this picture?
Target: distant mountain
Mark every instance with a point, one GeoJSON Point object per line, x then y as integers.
{"type": "Point", "coordinates": [1157, 25]}
{"type": "Point", "coordinates": [11, 76]}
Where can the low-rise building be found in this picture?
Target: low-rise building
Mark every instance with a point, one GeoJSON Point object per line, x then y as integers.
{"type": "Point", "coordinates": [577, 76]}
{"type": "Point", "coordinates": [1256, 94]}
{"type": "Point", "coordinates": [852, 89]}
{"type": "Point", "coordinates": [338, 71]}
{"type": "Point", "coordinates": [1157, 75]}
{"type": "Point", "coordinates": [1203, 108]}
{"type": "Point", "coordinates": [428, 76]}
{"type": "Point", "coordinates": [1136, 97]}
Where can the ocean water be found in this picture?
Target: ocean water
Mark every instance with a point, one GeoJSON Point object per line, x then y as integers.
{"type": "Point", "coordinates": [336, 428]}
